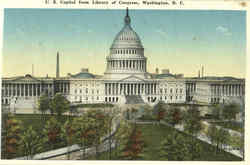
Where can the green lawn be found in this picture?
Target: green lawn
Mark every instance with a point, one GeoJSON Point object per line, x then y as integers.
{"type": "Point", "coordinates": [230, 125]}
{"type": "Point", "coordinates": [154, 134]}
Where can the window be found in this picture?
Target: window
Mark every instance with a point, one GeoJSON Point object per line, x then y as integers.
{"type": "Point", "coordinates": [180, 90]}
{"type": "Point", "coordinates": [97, 98]}
{"type": "Point", "coordinates": [176, 90]}
{"type": "Point", "coordinates": [170, 90]}
{"type": "Point", "coordinates": [97, 91]}
{"type": "Point", "coordinates": [80, 91]}
{"type": "Point", "coordinates": [75, 91]}
{"type": "Point", "coordinates": [86, 90]}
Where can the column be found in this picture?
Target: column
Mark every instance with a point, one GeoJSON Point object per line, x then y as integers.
{"type": "Point", "coordinates": [117, 88]}
{"type": "Point", "coordinates": [19, 89]}
{"type": "Point", "coordinates": [240, 90]}
{"type": "Point", "coordinates": [28, 91]}
{"type": "Point", "coordinates": [128, 89]}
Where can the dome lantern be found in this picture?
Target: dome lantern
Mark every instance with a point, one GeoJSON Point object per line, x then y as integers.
{"type": "Point", "coordinates": [127, 19]}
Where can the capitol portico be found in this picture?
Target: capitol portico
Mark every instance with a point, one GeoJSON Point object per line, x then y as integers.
{"type": "Point", "coordinates": [125, 81]}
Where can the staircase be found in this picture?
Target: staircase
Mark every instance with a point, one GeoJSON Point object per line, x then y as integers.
{"type": "Point", "coordinates": [133, 99]}
{"type": "Point", "coordinates": [22, 105]}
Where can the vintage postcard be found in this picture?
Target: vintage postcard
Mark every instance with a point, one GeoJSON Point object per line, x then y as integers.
{"type": "Point", "coordinates": [157, 81]}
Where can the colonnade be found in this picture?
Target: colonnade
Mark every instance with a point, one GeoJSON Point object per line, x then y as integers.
{"type": "Point", "coordinates": [130, 88]}
{"type": "Point", "coordinates": [227, 89]}
{"type": "Point", "coordinates": [63, 87]}
{"type": "Point", "coordinates": [127, 64]}
{"type": "Point", "coordinates": [25, 89]}
{"type": "Point", "coordinates": [191, 87]}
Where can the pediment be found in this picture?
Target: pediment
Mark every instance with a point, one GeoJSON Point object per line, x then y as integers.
{"type": "Point", "coordinates": [132, 79]}
{"type": "Point", "coordinates": [27, 78]}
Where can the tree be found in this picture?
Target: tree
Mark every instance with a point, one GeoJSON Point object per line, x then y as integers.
{"type": "Point", "coordinates": [59, 104]}
{"type": "Point", "coordinates": [224, 137]}
{"type": "Point", "coordinates": [121, 136]}
{"type": "Point", "coordinates": [212, 134]}
{"type": "Point", "coordinates": [51, 132]}
{"type": "Point", "coordinates": [174, 147]}
{"type": "Point", "coordinates": [134, 146]}
{"type": "Point", "coordinates": [193, 126]}
{"type": "Point", "coordinates": [99, 128]}
{"type": "Point", "coordinates": [159, 110]}
{"type": "Point", "coordinates": [230, 110]}
{"type": "Point", "coordinates": [110, 121]}
{"type": "Point", "coordinates": [173, 116]}
{"type": "Point", "coordinates": [30, 142]}
{"type": "Point", "coordinates": [67, 134]}
{"type": "Point", "coordinates": [11, 133]}
{"type": "Point", "coordinates": [217, 111]}
{"type": "Point", "coordinates": [218, 136]}
{"type": "Point", "coordinates": [84, 133]}
{"type": "Point", "coordinates": [43, 105]}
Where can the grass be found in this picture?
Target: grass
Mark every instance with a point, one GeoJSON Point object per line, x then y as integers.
{"type": "Point", "coordinates": [34, 120]}
{"type": "Point", "coordinates": [230, 125]}
{"type": "Point", "coordinates": [153, 136]}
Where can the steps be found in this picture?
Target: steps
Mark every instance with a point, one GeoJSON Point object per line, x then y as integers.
{"type": "Point", "coordinates": [23, 105]}
{"type": "Point", "coordinates": [134, 99]}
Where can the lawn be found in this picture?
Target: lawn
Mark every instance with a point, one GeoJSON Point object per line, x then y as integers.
{"type": "Point", "coordinates": [230, 125]}
{"type": "Point", "coordinates": [154, 134]}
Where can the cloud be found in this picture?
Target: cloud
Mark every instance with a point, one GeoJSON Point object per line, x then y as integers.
{"type": "Point", "coordinates": [224, 30]}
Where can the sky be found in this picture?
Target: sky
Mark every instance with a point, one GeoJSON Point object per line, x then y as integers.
{"type": "Point", "coordinates": [179, 40]}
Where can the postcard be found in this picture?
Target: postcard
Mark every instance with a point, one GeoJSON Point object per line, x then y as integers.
{"type": "Point", "coordinates": [142, 81]}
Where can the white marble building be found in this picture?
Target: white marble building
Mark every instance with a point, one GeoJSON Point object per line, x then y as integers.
{"type": "Point", "coordinates": [125, 81]}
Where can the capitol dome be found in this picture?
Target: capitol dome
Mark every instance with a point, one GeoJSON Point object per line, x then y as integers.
{"type": "Point", "coordinates": [126, 56]}
{"type": "Point", "coordinates": [127, 37]}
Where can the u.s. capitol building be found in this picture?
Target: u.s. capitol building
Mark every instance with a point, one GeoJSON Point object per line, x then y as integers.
{"type": "Point", "coordinates": [125, 81]}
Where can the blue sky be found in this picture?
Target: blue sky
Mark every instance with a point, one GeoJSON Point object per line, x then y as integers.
{"type": "Point", "coordinates": [179, 40]}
